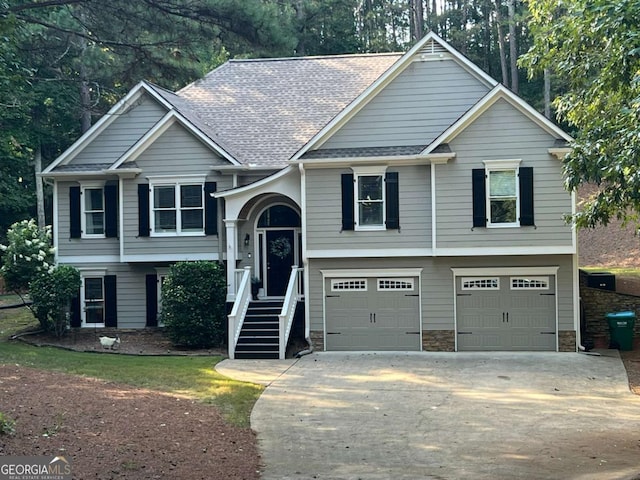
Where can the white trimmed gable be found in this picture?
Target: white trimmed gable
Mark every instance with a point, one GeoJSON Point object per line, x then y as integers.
{"type": "Point", "coordinates": [430, 48]}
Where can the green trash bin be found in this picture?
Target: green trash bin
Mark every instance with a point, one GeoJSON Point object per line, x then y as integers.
{"type": "Point", "coordinates": [621, 329]}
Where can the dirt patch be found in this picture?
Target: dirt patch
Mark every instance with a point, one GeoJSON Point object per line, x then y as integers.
{"type": "Point", "coordinates": [631, 360]}
{"type": "Point", "coordinates": [111, 431]}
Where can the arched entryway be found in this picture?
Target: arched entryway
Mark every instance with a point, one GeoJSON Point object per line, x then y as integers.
{"type": "Point", "coordinates": [278, 247]}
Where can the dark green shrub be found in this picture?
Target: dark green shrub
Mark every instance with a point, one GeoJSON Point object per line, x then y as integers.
{"type": "Point", "coordinates": [52, 294]}
{"type": "Point", "coordinates": [193, 304]}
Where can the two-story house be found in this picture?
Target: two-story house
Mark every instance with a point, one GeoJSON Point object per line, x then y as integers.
{"type": "Point", "coordinates": [410, 200]}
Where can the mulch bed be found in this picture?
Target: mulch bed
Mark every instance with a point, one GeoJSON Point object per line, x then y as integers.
{"type": "Point", "coordinates": [133, 342]}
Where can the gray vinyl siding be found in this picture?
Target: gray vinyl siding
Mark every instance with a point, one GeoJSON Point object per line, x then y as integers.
{"type": "Point", "coordinates": [125, 130]}
{"type": "Point", "coordinates": [174, 153]}
{"type": "Point", "coordinates": [414, 108]}
{"type": "Point", "coordinates": [501, 133]}
{"type": "Point", "coordinates": [438, 294]}
{"type": "Point", "coordinates": [324, 200]}
{"type": "Point", "coordinates": [68, 246]}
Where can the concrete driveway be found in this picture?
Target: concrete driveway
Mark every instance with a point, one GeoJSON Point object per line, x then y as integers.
{"type": "Point", "coordinates": [445, 416]}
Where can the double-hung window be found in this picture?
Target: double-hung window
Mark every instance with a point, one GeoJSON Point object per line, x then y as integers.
{"type": "Point", "coordinates": [503, 195]}
{"type": "Point", "coordinates": [93, 211]}
{"type": "Point", "coordinates": [177, 207]}
{"type": "Point", "coordinates": [370, 199]}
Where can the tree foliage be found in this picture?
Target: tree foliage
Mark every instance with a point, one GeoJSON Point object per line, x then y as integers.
{"type": "Point", "coordinates": [27, 255]}
{"type": "Point", "coordinates": [52, 293]}
{"type": "Point", "coordinates": [595, 46]}
{"type": "Point", "coordinates": [193, 304]}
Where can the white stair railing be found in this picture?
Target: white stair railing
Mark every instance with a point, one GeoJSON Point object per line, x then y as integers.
{"type": "Point", "coordinates": [294, 293]}
{"type": "Point", "coordinates": [239, 310]}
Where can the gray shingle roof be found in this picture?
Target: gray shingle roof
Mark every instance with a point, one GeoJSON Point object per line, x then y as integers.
{"type": "Point", "coordinates": [83, 167]}
{"type": "Point", "coordinates": [364, 152]}
{"type": "Point", "coordinates": [266, 110]}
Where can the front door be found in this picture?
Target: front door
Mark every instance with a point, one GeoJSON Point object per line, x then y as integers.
{"type": "Point", "coordinates": [280, 257]}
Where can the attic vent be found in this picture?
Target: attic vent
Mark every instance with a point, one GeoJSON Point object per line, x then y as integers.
{"type": "Point", "coordinates": [432, 51]}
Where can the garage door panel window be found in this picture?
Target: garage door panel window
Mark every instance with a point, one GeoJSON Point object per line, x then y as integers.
{"type": "Point", "coordinates": [481, 283]}
{"type": "Point", "coordinates": [529, 283]}
{"type": "Point", "coordinates": [349, 285]}
{"type": "Point", "coordinates": [402, 284]}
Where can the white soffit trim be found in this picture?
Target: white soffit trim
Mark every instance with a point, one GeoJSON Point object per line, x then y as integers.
{"type": "Point", "coordinates": [170, 257]}
{"type": "Point", "coordinates": [499, 92]}
{"type": "Point", "coordinates": [395, 160]}
{"type": "Point", "coordinates": [252, 186]}
{"type": "Point", "coordinates": [160, 128]}
{"type": "Point", "coordinates": [371, 272]}
{"type": "Point", "coordinates": [550, 270]}
{"type": "Point", "coordinates": [387, 77]}
{"type": "Point", "coordinates": [371, 252]}
{"type": "Point", "coordinates": [107, 119]}
{"type": "Point", "coordinates": [501, 251]}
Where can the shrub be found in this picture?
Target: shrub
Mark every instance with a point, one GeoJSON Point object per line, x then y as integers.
{"type": "Point", "coordinates": [193, 304]}
{"type": "Point", "coordinates": [52, 294]}
{"type": "Point", "coordinates": [7, 426]}
{"type": "Point", "coordinates": [27, 254]}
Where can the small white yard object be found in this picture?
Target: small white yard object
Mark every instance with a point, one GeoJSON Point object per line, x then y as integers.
{"type": "Point", "coordinates": [109, 342]}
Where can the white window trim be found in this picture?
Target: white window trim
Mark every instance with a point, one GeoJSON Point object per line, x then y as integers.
{"type": "Point", "coordinates": [91, 185]}
{"type": "Point", "coordinates": [497, 166]}
{"type": "Point", "coordinates": [369, 171]}
{"type": "Point", "coordinates": [176, 182]}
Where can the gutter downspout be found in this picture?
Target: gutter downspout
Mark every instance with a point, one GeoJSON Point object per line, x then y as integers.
{"type": "Point", "coordinates": [305, 260]}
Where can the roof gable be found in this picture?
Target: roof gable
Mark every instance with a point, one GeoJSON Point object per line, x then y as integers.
{"type": "Point", "coordinates": [430, 49]}
{"type": "Point", "coordinates": [130, 101]}
{"type": "Point", "coordinates": [499, 92]}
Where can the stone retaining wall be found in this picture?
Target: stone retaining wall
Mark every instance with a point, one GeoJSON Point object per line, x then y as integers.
{"type": "Point", "coordinates": [597, 303]}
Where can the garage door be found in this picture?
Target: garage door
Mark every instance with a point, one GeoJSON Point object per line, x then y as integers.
{"type": "Point", "coordinates": [372, 314]}
{"type": "Point", "coordinates": [506, 313]}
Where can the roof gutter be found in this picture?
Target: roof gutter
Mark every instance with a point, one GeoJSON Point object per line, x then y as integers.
{"type": "Point", "coordinates": [417, 159]}
{"type": "Point", "coordinates": [122, 173]}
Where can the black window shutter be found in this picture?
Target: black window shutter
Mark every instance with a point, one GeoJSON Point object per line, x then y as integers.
{"type": "Point", "coordinates": [151, 282]}
{"type": "Point", "coordinates": [348, 220]}
{"type": "Point", "coordinates": [143, 210]}
{"type": "Point", "coordinates": [111, 211]}
{"type": "Point", "coordinates": [75, 228]}
{"type": "Point", "coordinates": [210, 209]}
{"type": "Point", "coordinates": [110, 301]}
{"type": "Point", "coordinates": [479, 198]}
{"type": "Point", "coordinates": [75, 319]}
{"type": "Point", "coordinates": [393, 201]}
{"type": "Point", "coordinates": [526, 196]}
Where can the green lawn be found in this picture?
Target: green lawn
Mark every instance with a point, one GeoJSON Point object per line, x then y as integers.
{"type": "Point", "coordinates": [194, 377]}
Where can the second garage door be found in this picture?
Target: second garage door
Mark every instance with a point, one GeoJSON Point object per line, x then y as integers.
{"type": "Point", "coordinates": [506, 313]}
{"type": "Point", "coordinates": [372, 314]}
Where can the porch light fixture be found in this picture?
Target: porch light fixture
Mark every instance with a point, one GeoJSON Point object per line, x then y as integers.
{"type": "Point", "coordinates": [246, 240]}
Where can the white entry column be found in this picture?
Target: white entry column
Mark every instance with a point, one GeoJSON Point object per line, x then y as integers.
{"type": "Point", "coordinates": [232, 257]}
